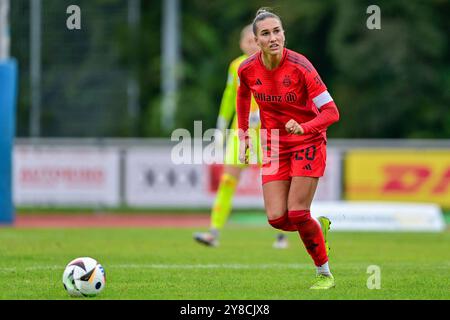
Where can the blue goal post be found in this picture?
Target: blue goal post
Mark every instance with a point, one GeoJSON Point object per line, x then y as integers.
{"type": "Point", "coordinates": [8, 95]}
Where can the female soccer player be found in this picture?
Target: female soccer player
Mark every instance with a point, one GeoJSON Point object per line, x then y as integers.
{"type": "Point", "coordinates": [232, 169]}
{"type": "Point", "coordinates": [295, 109]}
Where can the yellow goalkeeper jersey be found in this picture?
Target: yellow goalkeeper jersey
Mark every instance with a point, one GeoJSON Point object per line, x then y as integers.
{"type": "Point", "coordinates": [228, 103]}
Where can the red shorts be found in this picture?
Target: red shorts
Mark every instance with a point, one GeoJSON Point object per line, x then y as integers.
{"type": "Point", "coordinates": [307, 160]}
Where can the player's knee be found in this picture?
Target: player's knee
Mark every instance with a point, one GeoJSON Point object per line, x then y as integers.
{"type": "Point", "coordinates": [279, 222]}
{"type": "Point", "coordinates": [299, 216]}
{"type": "Point", "coordinates": [282, 223]}
{"type": "Point", "coordinates": [228, 179]}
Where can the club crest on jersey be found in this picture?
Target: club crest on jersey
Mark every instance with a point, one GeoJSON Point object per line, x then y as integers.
{"type": "Point", "coordinates": [287, 80]}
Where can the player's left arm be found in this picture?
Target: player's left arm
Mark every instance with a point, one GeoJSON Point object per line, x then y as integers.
{"type": "Point", "coordinates": [317, 91]}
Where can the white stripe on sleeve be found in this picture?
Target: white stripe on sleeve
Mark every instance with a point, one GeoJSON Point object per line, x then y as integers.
{"type": "Point", "coordinates": [322, 99]}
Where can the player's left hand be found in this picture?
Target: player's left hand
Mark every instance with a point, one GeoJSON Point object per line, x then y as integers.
{"type": "Point", "coordinates": [293, 127]}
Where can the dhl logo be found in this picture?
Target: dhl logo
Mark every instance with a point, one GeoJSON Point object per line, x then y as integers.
{"type": "Point", "coordinates": [413, 178]}
{"type": "Point", "coordinates": [398, 175]}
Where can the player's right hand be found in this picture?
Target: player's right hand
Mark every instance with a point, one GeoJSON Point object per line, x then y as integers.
{"type": "Point", "coordinates": [244, 150]}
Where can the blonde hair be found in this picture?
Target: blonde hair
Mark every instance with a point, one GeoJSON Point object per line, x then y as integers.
{"type": "Point", "coordinates": [247, 28]}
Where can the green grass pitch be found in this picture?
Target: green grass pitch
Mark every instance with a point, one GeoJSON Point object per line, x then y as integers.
{"type": "Point", "coordinates": [166, 264]}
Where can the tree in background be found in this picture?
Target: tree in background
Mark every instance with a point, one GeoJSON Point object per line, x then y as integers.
{"type": "Point", "coordinates": [388, 83]}
{"type": "Point", "coordinates": [391, 83]}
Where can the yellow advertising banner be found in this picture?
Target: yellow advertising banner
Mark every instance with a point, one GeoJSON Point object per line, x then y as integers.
{"type": "Point", "coordinates": [398, 175]}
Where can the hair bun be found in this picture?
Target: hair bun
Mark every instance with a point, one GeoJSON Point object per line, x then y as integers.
{"type": "Point", "coordinates": [263, 10]}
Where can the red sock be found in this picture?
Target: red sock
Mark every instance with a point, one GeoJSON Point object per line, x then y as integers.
{"type": "Point", "coordinates": [311, 235]}
{"type": "Point", "coordinates": [283, 223]}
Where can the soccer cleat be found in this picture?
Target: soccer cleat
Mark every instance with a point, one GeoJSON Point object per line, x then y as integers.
{"type": "Point", "coordinates": [281, 242]}
{"type": "Point", "coordinates": [206, 238]}
{"type": "Point", "coordinates": [325, 226]}
{"type": "Point", "coordinates": [323, 282]}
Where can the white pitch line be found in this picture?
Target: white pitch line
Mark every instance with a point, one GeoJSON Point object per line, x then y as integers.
{"type": "Point", "coordinates": [175, 266]}
{"type": "Point", "coordinates": [218, 266]}
{"type": "Point", "coordinates": [230, 266]}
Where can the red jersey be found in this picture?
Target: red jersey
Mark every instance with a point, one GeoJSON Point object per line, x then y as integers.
{"type": "Point", "coordinates": [293, 90]}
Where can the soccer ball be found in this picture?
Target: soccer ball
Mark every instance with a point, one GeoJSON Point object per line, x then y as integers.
{"type": "Point", "coordinates": [84, 277]}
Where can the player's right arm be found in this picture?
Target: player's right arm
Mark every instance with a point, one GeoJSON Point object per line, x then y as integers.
{"type": "Point", "coordinates": [243, 111]}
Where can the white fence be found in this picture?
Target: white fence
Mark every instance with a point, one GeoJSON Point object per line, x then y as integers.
{"type": "Point", "coordinates": [80, 173]}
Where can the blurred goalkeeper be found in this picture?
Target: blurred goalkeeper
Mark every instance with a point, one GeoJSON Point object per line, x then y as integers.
{"type": "Point", "coordinates": [232, 169]}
